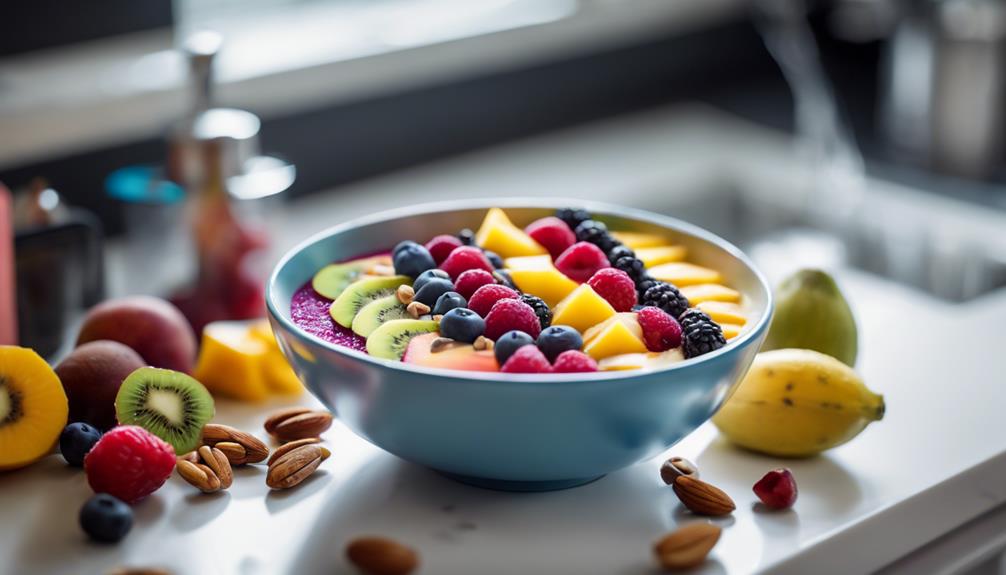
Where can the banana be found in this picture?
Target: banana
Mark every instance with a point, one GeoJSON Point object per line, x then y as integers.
{"type": "Point", "coordinates": [797, 403]}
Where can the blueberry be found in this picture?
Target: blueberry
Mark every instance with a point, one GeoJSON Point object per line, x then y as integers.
{"type": "Point", "coordinates": [495, 259]}
{"type": "Point", "coordinates": [449, 301]}
{"type": "Point", "coordinates": [412, 260]}
{"type": "Point", "coordinates": [401, 246]}
{"type": "Point", "coordinates": [462, 324]}
{"type": "Point", "coordinates": [432, 290]}
{"type": "Point", "coordinates": [467, 237]}
{"type": "Point", "coordinates": [105, 518]}
{"type": "Point", "coordinates": [76, 440]}
{"type": "Point", "coordinates": [510, 342]}
{"type": "Point", "coordinates": [427, 276]}
{"type": "Point", "coordinates": [503, 277]}
{"type": "Point", "coordinates": [556, 339]}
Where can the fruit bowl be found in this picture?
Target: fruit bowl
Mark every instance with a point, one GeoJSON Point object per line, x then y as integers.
{"type": "Point", "coordinates": [526, 432]}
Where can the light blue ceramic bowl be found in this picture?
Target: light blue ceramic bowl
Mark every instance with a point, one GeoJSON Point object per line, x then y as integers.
{"type": "Point", "coordinates": [517, 432]}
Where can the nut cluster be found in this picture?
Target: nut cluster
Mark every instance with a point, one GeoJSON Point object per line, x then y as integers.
{"type": "Point", "coordinates": [699, 497]}
{"type": "Point", "coordinates": [207, 468]}
{"type": "Point", "coordinates": [239, 447]}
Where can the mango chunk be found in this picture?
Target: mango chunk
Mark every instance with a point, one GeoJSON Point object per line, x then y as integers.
{"type": "Point", "coordinates": [723, 312]}
{"type": "Point", "coordinates": [500, 235]}
{"type": "Point", "coordinates": [279, 376]}
{"type": "Point", "coordinates": [661, 255]}
{"type": "Point", "coordinates": [638, 240]}
{"type": "Point", "coordinates": [537, 275]}
{"type": "Point", "coordinates": [230, 362]}
{"type": "Point", "coordinates": [684, 274]}
{"type": "Point", "coordinates": [697, 294]}
{"type": "Point", "coordinates": [619, 337]}
{"type": "Point", "coordinates": [581, 309]}
{"type": "Point", "coordinates": [730, 330]}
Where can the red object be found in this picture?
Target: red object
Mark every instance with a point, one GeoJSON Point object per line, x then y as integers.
{"type": "Point", "coordinates": [465, 258]}
{"type": "Point", "coordinates": [581, 261]}
{"type": "Point", "coordinates": [616, 287]}
{"type": "Point", "coordinates": [8, 309]}
{"type": "Point", "coordinates": [509, 314]}
{"type": "Point", "coordinates": [661, 332]}
{"type": "Point", "coordinates": [777, 489]}
{"type": "Point", "coordinates": [553, 234]}
{"type": "Point", "coordinates": [441, 246]}
{"type": "Point", "coordinates": [153, 327]}
{"type": "Point", "coordinates": [527, 359]}
{"type": "Point", "coordinates": [129, 462]}
{"type": "Point", "coordinates": [470, 281]}
{"type": "Point", "coordinates": [574, 361]}
{"type": "Point", "coordinates": [486, 297]}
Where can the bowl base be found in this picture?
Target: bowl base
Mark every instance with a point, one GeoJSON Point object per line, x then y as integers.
{"type": "Point", "coordinates": [528, 486]}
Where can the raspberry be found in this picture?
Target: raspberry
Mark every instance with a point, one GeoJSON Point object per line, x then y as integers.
{"type": "Point", "coordinates": [129, 462]}
{"type": "Point", "coordinates": [527, 359]}
{"type": "Point", "coordinates": [581, 261]}
{"type": "Point", "coordinates": [572, 217]}
{"type": "Point", "coordinates": [441, 246]}
{"type": "Point", "coordinates": [574, 361]}
{"type": "Point", "coordinates": [485, 297]}
{"type": "Point", "coordinates": [465, 258]}
{"type": "Point", "coordinates": [661, 332]}
{"type": "Point", "coordinates": [553, 234]}
{"type": "Point", "coordinates": [777, 489]}
{"type": "Point", "coordinates": [510, 314]}
{"type": "Point", "coordinates": [666, 297]}
{"type": "Point", "coordinates": [700, 334]}
{"type": "Point", "coordinates": [616, 287]}
{"type": "Point", "coordinates": [471, 280]}
{"type": "Point", "coordinates": [540, 309]}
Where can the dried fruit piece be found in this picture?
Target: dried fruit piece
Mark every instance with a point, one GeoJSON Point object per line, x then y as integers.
{"type": "Point", "coordinates": [777, 489]}
{"type": "Point", "coordinates": [702, 498]}
{"type": "Point", "coordinates": [381, 556]}
{"type": "Point", "coordinates": [686, 547]}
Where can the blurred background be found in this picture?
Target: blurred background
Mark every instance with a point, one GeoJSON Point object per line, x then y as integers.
{"type": "Point", "coordinates": [179, 147]}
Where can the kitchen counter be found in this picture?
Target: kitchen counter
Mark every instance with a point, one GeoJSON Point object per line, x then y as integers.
{"type": "Point", "coordinates": [935, 463]}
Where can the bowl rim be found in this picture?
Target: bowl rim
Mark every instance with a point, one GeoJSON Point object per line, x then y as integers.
{"type": "Point", "coordinates": [668, 222]}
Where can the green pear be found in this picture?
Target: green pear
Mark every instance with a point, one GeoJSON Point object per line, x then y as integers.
{"type": "Point", "coordinates": [811, 313]}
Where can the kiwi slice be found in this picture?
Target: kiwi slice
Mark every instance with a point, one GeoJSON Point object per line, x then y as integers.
{"type": "Point", "coordinates": [390, 339]}
{"type": "Point", "coordinates": [360, 293]}
{"type": "Point", "coordinates": [372, 315]}
{"type": "Point", "coordinates": [331, 280]}
{"type": "Point", "coordinates": [169, 404]}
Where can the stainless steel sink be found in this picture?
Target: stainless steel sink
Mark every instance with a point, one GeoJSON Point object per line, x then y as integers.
{"type": "Point", "coordinates": [945, 255]}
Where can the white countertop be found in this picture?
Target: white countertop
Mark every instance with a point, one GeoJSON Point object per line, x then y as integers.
{"type": "Point", "coordinates": [936, 461]}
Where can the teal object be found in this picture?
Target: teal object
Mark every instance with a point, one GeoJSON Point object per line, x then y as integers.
{"type": "Point", "coordinates": [514, 432]}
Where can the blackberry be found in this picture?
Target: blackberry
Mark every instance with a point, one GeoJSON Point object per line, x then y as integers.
{"type": "Point", "coordinates": [666, 297]}
{"type": "Point", "coordinates": [632, 266]}
{"type": "Point", "coordinates": [590, 231]}
{"type": "Point", "coordinates": [494, 258]}
{"type": "Point", "coordinates": [572, 216]}
{"type": "Point", "coordinates": [699, 333]}
{"type": "Point", "coordinates": [467, 237]}
{"type": "Point", "coordinates": [644, 284]}
{"type": "Point", "coordinates": [540, 309]}
{"type": "Point", "coordinates": [503, 278]}
{"type": "Point", "coordinates": [620, 251]}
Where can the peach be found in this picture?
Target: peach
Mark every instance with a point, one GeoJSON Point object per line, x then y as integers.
{"type": "Point", "coordinates": [154, 328]}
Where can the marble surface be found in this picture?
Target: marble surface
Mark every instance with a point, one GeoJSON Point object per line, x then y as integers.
{"type": "Point", "coordinates": [935, 462]}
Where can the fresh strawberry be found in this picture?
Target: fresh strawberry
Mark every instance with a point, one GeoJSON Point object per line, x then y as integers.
{"type": "Point", "coordinates": [129, 462]}
{"type": "Point", "coordinates": [510, 314]}
{"type": "Point", "coordinates": [471, 280]}
{"type": "Point", "coordinates": [486, 297]}
{"type": "Point", "coordinates": [553, 234]}
{"type": "Point", "coordinates": [527, 359]}
{"type": "Point", "coordinates": [581, 260]}
{"type": "Point", "coordinates": [661, 332]}
{"type": "Point", "coordinates": [616, 287]}
{"type": "Point", "coordinates": [465, 258]}
{"type": "Point", "coordinates": [441, 246]}
{"type": "Point", "coordinates": [574, 361]}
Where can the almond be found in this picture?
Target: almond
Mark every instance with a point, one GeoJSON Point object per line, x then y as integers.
{"type": "Point", "coordinates": [299, 425]}
{"type": "Point", "coordinates": [417, 309]}
{"type": "Point", "coordinates": [675, 467]}
{"type": "Point", "coordinates": [288, 447]}
{"type": "Point", "coordinates": [687, 546]}
{"type": "Point", "coordinates": [254, 449]}
{"type": "Point", "coordinates": [405, 293]}
{"type": "Point", "coordinates": [702, 498]}
{"type": "Point", "coordinates": [218, 462]}
{"type": "Point", "coordinates": [382, 556]}
{"type": "Point", "coordinates": [198, 475]}
{"type": "Point", "coordinates": [482, 342]}
{"type": "Point", "coordinates": [293, 467]}
{"type": "Point", "coordinates": [282, 415]}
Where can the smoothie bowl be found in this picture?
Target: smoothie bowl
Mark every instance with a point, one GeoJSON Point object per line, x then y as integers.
{"type": "Point", "coordinates": [544, 349]}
